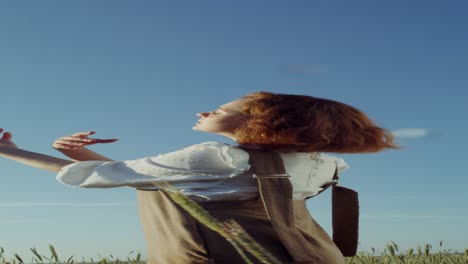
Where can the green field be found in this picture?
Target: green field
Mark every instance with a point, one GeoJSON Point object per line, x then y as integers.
{"type": "Point", "coordinates": [390, 254]}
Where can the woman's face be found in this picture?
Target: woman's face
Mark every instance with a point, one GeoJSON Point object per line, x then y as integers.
{"type": "Point", "coordinates": [224, 120]}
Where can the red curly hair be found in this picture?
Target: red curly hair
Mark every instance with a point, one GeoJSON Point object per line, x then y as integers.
{"type": "Point", "coordinates": [286, 122]}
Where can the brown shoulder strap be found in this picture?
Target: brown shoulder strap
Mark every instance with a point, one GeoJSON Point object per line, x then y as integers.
{"type": "Point", "coordinates": [276, 193]}
{"type": "Point", "coordinates": [345, 218]}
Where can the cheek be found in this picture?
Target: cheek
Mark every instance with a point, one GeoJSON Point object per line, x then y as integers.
{"type": "Point", "coordinates": [223, 123]}
{"type": "Point", "coordinates": [234, 123]}
{"type": "Point", "coordinates": [214, 124]}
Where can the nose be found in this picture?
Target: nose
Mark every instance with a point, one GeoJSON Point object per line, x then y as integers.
{"type": "Point", "coordinates": [204, 114]}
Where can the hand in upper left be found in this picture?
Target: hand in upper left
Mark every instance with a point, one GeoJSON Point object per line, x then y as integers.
{"type": "Point", "coordinates": [5, 140]}
{"type": "Point", "coordinates": [78, 141]}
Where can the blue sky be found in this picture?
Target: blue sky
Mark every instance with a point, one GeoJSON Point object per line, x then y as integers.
{"type": "Point", "coordinates": [140, 71]}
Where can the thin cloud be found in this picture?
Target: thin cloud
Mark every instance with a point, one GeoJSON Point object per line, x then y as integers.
{"type": "Point", "coordinates": [411, 133]}
{"type": "Point", "coordinates": [305, 69]}
{"type": "Point", "coordinates": [44, 204]}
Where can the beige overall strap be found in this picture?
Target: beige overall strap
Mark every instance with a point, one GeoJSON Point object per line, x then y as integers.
{"type": "Point", "coordinates": [276, 193]}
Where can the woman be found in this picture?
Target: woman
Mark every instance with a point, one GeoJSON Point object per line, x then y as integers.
{"type": "Point", "coordinates": [279, 135]}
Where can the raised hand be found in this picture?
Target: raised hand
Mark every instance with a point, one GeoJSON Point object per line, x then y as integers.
{"type": "Point", "coordinates": [5, 140]}
{"type": "Point", "coordinates": [79, 140]}
{"type": "Point", "coordinates": [74, 145]}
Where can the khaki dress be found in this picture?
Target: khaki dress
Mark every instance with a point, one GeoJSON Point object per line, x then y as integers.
{"type": "Point", "coordinates": [282, 226]}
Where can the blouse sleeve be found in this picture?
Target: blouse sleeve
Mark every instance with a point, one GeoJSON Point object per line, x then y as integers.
{"type": "Point", "coordinates": [205, 162]}
{"type": "Point", "coordinates": [341, 164]}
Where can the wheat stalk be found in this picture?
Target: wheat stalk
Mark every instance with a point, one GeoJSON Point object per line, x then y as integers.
{"type": "Point", "coordinates": [410, 257]}
{"type": "Point", "coordinates": [229, 229]}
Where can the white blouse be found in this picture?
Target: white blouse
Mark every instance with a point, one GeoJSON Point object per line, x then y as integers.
{"type": "Point", "coordinates": [208, 171]}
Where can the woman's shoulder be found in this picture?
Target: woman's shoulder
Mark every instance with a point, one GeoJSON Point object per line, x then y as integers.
{"type": "Point", "coordinates": [213, 150]}
{"type": "Point", "coordinates": [214, 145]}
{"type": "Point", "coordinates": [340, 163]}
{"type": "Point", "coordinates": [207, 154]}
{"type": "Point", "coordinates": [318, 158]}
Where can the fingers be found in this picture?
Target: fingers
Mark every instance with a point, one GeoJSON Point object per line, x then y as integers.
{"type": "Point", "coordinates": [5, 136]}
{"type": "Point", "coordinates": [79, 140]}
{"type": "Point", "coordinates": [88, 141]}
{"type": "Point", "coordinates": [64, 146]}
{"type": "Point", "coordinates": [83, 134]}
{"type": "Point", "coordinates": [110, 140]}
{"type": "Point", "coordinates": [63, 143]}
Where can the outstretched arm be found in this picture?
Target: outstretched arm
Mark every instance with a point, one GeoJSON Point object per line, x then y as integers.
{"type": "Point", "coordinates": [73, 146]}
{"type": "Point", "coordinates": [9, 150]}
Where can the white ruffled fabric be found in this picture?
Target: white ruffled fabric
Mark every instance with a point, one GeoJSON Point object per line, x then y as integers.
{"type": "Point", "coordinates": [206, 171]}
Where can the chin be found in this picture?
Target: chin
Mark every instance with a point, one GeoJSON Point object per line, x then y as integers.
{"type": "Point", "coordinates": [197, 127]}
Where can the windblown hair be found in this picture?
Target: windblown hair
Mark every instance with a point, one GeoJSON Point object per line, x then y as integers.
{"type": "Point", "coordinates": [302, 123]}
